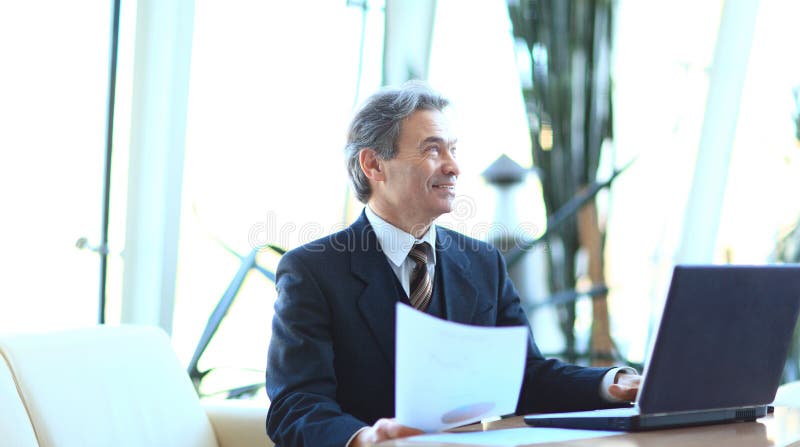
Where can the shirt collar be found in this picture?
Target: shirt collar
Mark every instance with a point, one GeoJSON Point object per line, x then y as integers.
{"type": "Point", "coordinates": [395, 242]}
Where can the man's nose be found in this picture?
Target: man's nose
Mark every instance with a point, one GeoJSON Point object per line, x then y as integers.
{"type": "Point", "coordinates": [450, 165]}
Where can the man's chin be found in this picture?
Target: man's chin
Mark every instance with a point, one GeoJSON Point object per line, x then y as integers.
{"type": "Point", "coordinates": [444, 210]}
{"type": "Point", "coordinates": [440, 209]}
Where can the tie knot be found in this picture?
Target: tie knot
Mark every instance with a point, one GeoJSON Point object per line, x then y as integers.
{"type": "Point", "coordinates": [419, 253]}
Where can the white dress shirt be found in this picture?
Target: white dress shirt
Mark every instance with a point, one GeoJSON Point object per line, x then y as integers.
{"type": "Point", "coordinates": [396, 244]}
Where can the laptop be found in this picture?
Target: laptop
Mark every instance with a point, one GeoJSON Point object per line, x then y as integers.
{"type": "Point", "coordinates": [718, 354]}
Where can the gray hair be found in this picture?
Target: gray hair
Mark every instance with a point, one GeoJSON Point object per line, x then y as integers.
{"type": "Point", "coordinates": [377, 126]}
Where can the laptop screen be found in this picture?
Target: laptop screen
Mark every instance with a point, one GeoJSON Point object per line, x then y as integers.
{"type": "Point", "coordinates": [723, 338]}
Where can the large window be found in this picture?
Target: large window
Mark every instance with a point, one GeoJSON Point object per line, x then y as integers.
{"type": "Point", "coordinates": [273, 85]}
{"type": "Point", "coordinates": [53, 99]}
{"type": "Point", "coordinates": [661, 84]}
{"type": "Point", "coordinates": [660, 88]}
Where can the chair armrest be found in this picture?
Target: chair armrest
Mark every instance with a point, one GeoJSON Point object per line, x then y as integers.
{"type": "Point", "coordinates": [238, 423]}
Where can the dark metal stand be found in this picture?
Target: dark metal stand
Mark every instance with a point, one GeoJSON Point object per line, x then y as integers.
{"type": "Point", "coordinates": [247, 263]}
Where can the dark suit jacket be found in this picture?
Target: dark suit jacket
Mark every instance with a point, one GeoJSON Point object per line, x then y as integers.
{"type": "Point", "coordinates": [330, 367]}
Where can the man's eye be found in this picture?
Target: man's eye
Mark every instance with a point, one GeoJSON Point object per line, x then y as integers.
{"type": "Point", "coordinates": [432, 149]}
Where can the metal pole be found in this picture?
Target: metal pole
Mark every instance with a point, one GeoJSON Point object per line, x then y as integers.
{"type": "Point", "coordinates": [112, 87]}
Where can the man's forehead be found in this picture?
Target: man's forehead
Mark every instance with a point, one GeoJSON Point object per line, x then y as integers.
{"type": "Point", "coordinates": [449, 140]}
{"type": "Point", "coordinates": [428, 126]}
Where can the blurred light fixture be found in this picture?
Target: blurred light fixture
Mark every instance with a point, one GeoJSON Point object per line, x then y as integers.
{"type": "Point", "coordinates": [546, 137]}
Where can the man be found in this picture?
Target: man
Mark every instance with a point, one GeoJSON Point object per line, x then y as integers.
{"type": "Point", "coordinates": [330, 372]}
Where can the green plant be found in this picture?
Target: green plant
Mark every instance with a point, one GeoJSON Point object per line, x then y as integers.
{"type": "Point", "coordinates": [568, 100]}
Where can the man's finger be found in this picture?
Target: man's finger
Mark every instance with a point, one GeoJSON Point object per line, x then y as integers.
{"type": "Point", "coordinates": [401, 431]}
{"type": "Point", "coordinates": [623, 392]}
{"type": "Point", "coordinates": [390, 429]}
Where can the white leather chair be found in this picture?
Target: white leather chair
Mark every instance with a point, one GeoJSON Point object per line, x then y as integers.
{"type": "Point", "coordinates": [15, 426]}
{"type": "Point", "coordinates": [118, 386]}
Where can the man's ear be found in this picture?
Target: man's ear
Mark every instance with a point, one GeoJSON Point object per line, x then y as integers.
{"type": "Point", "coordinates": [371, 165]}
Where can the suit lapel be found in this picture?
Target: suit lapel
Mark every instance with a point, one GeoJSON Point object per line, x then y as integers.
{"type": "Point", "coordinates": [377, 301]}
{"type": "Point", "coordinates": [461, 298]}
{"type": "Point", "coordinates": [379, 297]}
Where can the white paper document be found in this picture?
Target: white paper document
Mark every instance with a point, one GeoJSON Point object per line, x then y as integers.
{"type": "Point", "coordinates": [450, 374]}
{"type": "Point", "coordinates": [513, 437]}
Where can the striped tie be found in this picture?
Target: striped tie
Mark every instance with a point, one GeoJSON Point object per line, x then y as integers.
{"type": "Point", "coordinates": [421, 285]}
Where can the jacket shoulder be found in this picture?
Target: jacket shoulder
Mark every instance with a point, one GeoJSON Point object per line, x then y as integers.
{"type": "Point", "coordinates": [335, 245]}
{"type": "Point", "coordinates": [451, 239]}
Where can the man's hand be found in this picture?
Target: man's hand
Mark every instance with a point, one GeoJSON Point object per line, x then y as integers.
{"type": "Point", "coordinates": [625, 386]}
{"type": "Point", "coordinates": [382, 430]}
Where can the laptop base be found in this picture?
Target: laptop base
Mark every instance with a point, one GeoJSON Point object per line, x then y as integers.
{"type": "Point", "coordinates": [614, 419]}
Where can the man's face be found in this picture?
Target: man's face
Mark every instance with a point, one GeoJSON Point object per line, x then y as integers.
{"type": "Point", "coordinates": [419, 183]}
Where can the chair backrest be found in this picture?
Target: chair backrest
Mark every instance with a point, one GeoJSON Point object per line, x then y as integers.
{"type": "Point", "coordinates": [15, 426]}
{"type": "Point", "coordinates": [104, 386]}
